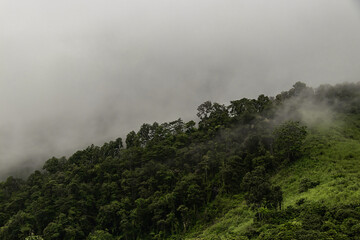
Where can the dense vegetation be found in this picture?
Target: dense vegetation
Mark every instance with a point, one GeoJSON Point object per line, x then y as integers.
{"type": "Point", "coordinates": [226, 177]}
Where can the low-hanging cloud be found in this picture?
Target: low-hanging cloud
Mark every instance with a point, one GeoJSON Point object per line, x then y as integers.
{"type": "Point", "coordinates": [307, 109]}
{"type": "Point", "coordinates": [73, 73]}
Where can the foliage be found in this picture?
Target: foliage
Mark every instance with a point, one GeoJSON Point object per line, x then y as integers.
{"type": "Point", "coordinates": [306, 184]}
{"type": "Point", "coordinates": [289, 139]}
{"type": "Point", "coordinates": [34, 237]}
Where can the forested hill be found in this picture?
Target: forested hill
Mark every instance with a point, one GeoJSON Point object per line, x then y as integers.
{"type": "Point", "coordinates": [283, 167]}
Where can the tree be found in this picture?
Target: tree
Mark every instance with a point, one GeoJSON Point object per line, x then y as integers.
{"type": "Point", "coordinates": [132, 140]}
{"type": "Point", "coordinates": [53, 164]}
{"type": "Point", "coordinates": [233, 171]}
{"type": "Point", "coordinates": [212, 115]}
{"type": "Point", "coordinates": [244, 110]}
{"type": "Point", "coordinates": [256, 185]}
{"type": "Point", "coordinates": [18, 227]}
{"type": "Point", "coordinates": [259, 190]}
{"type": "Point", "coordinates": [289, 138]}
{"type": "Point", "coordinates": [109, 217]}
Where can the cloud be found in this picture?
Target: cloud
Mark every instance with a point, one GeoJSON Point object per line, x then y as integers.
{"type": "Point", "coordinates": [74, 73]}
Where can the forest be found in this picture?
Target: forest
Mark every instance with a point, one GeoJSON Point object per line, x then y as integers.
{"type": "Point", "coordinates": [282, 167]}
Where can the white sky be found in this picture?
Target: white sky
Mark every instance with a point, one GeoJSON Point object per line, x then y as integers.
{"type": "Point", "coordinates": [78, 72]}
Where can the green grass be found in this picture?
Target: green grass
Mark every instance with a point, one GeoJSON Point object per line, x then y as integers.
{"type": "Point", "coordinates": [233, 223]}
{"type": "Point", "coordinates": [333, 157]}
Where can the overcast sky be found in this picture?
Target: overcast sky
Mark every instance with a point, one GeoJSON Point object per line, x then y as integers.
{"type": "Point", "coordinates": [77, 72]}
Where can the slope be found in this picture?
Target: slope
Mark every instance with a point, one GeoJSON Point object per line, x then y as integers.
{"type": "Point", "coordinates": [328, 174]}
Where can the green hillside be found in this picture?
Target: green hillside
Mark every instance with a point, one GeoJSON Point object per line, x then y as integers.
{"type": "Point", "coordinates": [331, 162]}
{"type": "Point", "coordinates": [283, 167]}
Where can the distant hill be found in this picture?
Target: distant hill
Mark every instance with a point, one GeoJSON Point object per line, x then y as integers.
{"type": "Point", "coordinates": [283, 167]}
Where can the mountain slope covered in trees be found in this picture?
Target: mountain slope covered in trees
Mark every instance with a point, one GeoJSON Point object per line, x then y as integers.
{"type": "Point", "coordinates": [283, 167]}
{"type": "Point", "coordinates": [321, 192]}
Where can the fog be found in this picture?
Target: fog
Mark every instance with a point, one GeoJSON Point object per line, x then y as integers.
{"type": "Point", "coordinates": [73, 73]}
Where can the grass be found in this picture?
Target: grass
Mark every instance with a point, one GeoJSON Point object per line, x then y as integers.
{"type": "Point", "coordinates": [333, 157]}
{"type": "Point", "coordinates": [233, 223]}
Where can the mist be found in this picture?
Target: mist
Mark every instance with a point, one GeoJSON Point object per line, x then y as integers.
{"type": "Point", "coordinates": [75, 73]}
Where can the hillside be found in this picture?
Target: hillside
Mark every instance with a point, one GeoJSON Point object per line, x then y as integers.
{"type": "Point", "coordinates": [332, 165]}
{"type": "Point", "coordinates": [283, 167]}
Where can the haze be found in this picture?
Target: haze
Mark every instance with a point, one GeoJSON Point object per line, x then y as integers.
{"type": "Point", "coordinates": [73, 73]}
